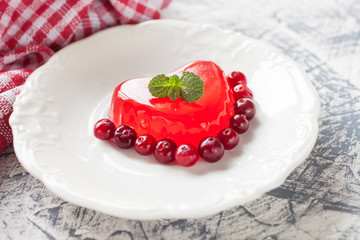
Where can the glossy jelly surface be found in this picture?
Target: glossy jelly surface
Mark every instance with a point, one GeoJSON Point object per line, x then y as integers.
{"type": "Point", "coordinates": [183, 122]}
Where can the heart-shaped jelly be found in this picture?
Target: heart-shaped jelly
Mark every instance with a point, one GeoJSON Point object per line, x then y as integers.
{"type": "Point", "coordinates": [183, 122]}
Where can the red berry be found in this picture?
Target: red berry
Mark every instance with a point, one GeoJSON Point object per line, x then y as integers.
{"type": "Point", "coordinates": [124, 137]}
{"type": "Point", "coordinates": [239, 123]}
{"type": "Point", "coordinates": [145, 144]}
{"type": "Point", "coordinates": [242, 91]}
{"type": "Point", "coordinates": [186, 155]}
{"type": "Point", "coordinates": [211, 149]}
{"type": "Point", "coordinates": [104, 129]}
{"type": "Point", "coordinates": [246, 107]}
{"type": "Point", "coordinates": [165, 151]}
{"type": "Point", "coordinates": [236, 78]}
{"type": "Point", "coordinates": [229, 138]}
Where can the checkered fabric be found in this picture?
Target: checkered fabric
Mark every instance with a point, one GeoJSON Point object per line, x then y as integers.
{"type": "Point", "coordinates": [32, 30]}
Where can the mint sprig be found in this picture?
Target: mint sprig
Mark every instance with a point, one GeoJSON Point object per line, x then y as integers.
{"type": "Point", "coordinates": [189, 86]}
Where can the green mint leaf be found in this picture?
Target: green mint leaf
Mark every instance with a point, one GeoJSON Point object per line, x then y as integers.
{"type": "Point", "coordinates": [191, 87]}
{"type": "Point", "coordinates": [175, 80]}
{"type": "Point", "coordinates": [159, 86]}
{"type": "Point", "coordinates": [174, 90]}
{"type": "Point", "coordinates": [174, 93]}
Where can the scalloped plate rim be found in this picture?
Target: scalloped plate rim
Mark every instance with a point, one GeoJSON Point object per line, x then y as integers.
{"type": "Point", "coordinates": [20, 148]}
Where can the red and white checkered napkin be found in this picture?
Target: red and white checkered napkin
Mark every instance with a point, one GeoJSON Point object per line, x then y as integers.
{"type": "Point", "coordinates": [32, 30]}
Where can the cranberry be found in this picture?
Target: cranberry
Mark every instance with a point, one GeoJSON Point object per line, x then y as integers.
{"type": "Point", "coordinates": [236, 78]}
{"type": "Point", "coordinates": [229, 138]}
{"type": "Point", "coordinates": [242, 91]}
{"type": "Point", "coordinates": [104, 129]}
{"type": "Point", "coordinates": [145, 144]}
{"type": "Point", "coordinates": [246, 107]}
{"type": "Point", "coordinates": [239, 123]}
{"type": "Point", "coordinates": [211, 149]}
{"type": "Point", "coordinates": [186, 155]}
{"type": "Point", "coordinates": [165, 151]}
{"type": "Point", "coordinates": [124, 137]}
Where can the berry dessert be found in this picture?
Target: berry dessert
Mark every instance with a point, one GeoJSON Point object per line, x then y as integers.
{"type": "Point", "coordinates": [196, 112]}
{"type": "Point", "coordinates": [182, 121]}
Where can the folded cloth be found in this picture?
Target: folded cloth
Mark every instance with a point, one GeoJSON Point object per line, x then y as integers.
{"type": "Point", "coordinates": [32, 30]}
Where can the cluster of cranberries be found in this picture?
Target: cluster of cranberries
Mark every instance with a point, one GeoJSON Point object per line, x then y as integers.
{"type": "Point", "coordinates": [210, 149]}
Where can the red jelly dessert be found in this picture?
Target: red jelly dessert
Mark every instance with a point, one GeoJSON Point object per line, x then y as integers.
{"type": "Point", "coordinates": [183, 122]}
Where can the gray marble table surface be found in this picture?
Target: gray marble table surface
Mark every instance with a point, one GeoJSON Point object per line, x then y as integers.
{"type": "Point", "coordinates": [321, 197]}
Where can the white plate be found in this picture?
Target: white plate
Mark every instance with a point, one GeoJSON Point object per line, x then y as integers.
{"type": "Point", "coordinates": [54, 115]}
